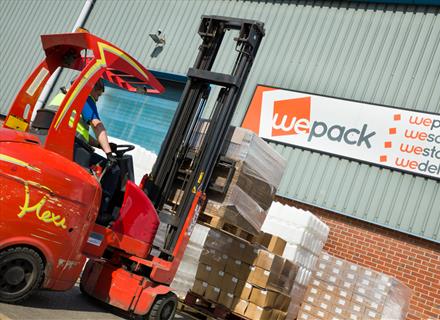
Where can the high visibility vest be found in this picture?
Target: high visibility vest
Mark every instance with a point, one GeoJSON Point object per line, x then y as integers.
{"type": "Point", "coordinates": [82, 129]}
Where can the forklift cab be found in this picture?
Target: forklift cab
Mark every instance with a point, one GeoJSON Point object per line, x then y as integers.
{"type": "Point", "coordinates": [39, 158]}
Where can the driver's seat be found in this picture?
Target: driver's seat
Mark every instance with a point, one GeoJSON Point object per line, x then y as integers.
{"type": "Point", "coordinates": [110, 208]}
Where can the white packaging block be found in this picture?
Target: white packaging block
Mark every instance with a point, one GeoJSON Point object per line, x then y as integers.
{"type": "Point", "coordinates": [186, 273]}
{"type": "Point", "coordinates": [303, 276]}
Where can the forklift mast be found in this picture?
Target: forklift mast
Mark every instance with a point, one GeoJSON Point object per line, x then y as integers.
{"type": "Point", "coordinates": [176, 151]}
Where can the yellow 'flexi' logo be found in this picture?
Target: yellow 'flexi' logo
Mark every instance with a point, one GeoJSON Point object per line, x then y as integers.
{"type": "Point", "coordinates": [43, 215]}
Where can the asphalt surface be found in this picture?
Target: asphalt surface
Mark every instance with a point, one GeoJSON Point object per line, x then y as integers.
{"type": "Point", "coordinates": [69, 305]}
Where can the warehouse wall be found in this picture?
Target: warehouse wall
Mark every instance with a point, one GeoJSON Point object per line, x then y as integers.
{"type": "Point", "coordinates": [21, 24]}
{"type": "Point", "coordinates": [414, 261]}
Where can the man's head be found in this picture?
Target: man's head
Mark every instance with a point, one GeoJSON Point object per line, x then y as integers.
{"type": "Point", "coordinates": [97, 90]}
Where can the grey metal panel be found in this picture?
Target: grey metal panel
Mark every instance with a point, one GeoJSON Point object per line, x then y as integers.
{"type": "Point", "coordinates": [392, 199]}
{"type": "Point", "coordinates": [377, 53]}
{"type": "Point", "coordinates": [22, 23]}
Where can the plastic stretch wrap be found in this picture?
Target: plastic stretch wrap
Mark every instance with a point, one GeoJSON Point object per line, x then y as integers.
{"type": "Point", "coordinates": [186, 273]}
{"type": "Point", "coordinates": [218, 241]}
{"type": "Point", "coordinates": [397, 300]}
{"type": "Point", "coordinates": [344, 289]}
{"type": "Point", "coordinates": [257, 175]}
{"type": "Point", "coordinates": [245, 146]}
{"type": "Point", "coordinates": [236, 205]}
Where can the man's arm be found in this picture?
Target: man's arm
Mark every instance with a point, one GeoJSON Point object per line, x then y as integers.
{"type": "Point", "coordinates": [101, 134]}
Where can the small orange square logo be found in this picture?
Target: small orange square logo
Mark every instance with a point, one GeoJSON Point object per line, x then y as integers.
{"type": "Point", "coordinates": [393, 130]}
{"type": "Point", "coordinates": [383, 158]}
{"type": "Point", "coordinates": [388, 144]}
{"type": "Point", "coordinates": [397, 117]}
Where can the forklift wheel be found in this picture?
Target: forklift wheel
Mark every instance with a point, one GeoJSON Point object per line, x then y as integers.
{"type": "Point", "coordinates": [164, 307]}
{"type": "Point", "coordinates": [21, 272]}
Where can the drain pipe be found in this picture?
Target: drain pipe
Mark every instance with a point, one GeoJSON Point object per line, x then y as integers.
{"type": "Point", "coordinates": [53, 79]}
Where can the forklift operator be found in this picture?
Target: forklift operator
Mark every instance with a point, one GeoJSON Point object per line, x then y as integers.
{"type": "Point", "coordinates": [84, 154]}
{"type": "Point", "coordinates": [90, 116]}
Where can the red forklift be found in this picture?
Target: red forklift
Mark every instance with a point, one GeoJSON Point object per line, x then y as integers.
{"type": "Point", "coordinates": [50, 200]}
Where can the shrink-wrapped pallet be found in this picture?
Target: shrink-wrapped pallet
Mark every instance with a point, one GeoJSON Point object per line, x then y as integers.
{"type": "Point", "coordinates": [186, 273]}
{"type": "Point", "coordinates": [247, 279]}
{"type": "Point", "coordinates": [343, 290]}
{"type": "Point", "coordinates": [258, 172]}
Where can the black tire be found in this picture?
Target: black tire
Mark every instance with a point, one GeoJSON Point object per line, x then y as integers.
{"type": "Point", "coordinates": [164, 307]}
{"type": "Point", "coordinates": [21, 273]}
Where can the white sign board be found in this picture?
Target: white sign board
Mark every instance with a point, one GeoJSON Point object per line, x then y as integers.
{"type": "Point", "coordinates": [390, 137]}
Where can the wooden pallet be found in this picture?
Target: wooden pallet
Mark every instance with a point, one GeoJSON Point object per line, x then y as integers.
{"type": "Point", "coordinates": [221, 224]}
{"type": "Point", "coordinates": [198, 307]}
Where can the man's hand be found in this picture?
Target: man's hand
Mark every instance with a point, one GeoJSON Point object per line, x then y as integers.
{"type": "Point", "coordinates": [111, 158]}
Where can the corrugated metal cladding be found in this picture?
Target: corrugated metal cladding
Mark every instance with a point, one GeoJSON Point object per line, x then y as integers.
{"type": "Point", "coordinates": [21, 24]}
{"type": "Point", "coordinates": [378, 53]}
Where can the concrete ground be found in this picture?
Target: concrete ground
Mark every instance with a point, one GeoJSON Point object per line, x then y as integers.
{"type": "Point", "coordinates": [69, 305]}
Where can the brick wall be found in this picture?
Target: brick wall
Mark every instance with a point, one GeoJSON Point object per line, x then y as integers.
{"type": "Point", "coordinates": [414, 261]}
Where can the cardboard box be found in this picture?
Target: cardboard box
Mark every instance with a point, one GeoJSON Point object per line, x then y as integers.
{"type": "Point", "coordinates": [265, 279]}
{"type": "Point", "coordinates": [262, 297]}
{"type": "Point", "coordinates": [230, 283]}
{"type": "Point", "coordinates": [243, 290]}
{"type": "Point", "coordinates": [327, 297]}
{"type": "Point", "coordinates": [338, 312]}
{"type": "Point", "coordinates": [341, 302]}
{"type": "Point", "coordinates": [313, 300]}
{"type": "Point", "coordinates": [282, 302]}
{"type": "Point", "coordinates": [199, 287]}
{"type": "Point", "coordinates": [238, 268]}
{"type": "Point", "coordinates": [213, 258]}
{"type": "Point", "coordinates": [305, 316]}
{"type": "Point", "coordinates": [326, 277]}
{"type": "Point", "coordinates": [355, 308]}
{"type": "Point", "coordinates": [233, 266]}
{"type": "Point", "coordinates": [347, 286]}
{"type": "Point", "coordinates": [278, 314]}
{"type": "Point", "coordinates": [204, 272]}
{"type": "Point", "coordinates": [325, 306]}
{"type": "Point", "coordinates": [226, 299]}
{"type": "Point", "coordinates": [212, 293]}
{"type": "Point", "coordinates": [349, 275]}
{"type": "Point", "coordinates": [335, 271]}
{"type": "Point", "coordinates": [255, 312]}
{"type": "Point", "coordinates": [269, 261]}
{"type": "Point", "coordinates": [239, 306]}
{"type": "Point", "coordinates": [366, 273]}
{"type": "Point", "coordinates": [313, 291]}
{"type": "Point", "coordinates": [343, 293]}
{"type": "Point", "coordinates": [224, 281]}
{"type": "Point", "coordinates": [289, 272]}
{"type": "Point", "coordinates": [322, 266]}
{"type": "Point", "coordinates": [240, 250]}
{"type": "Point", "coordinates": [372, 314]}
{"type": "Point", "coordinates": [249, 252]}
{"type": "Point", "coordinates": [361, 300]}
{"type": "Point", "coordinates": [354, 316]}
{"type": "Point", "coordinates": [216, 240]}
{"type": "Point", "coordinates": [352, 267]}
{"type": "Point", "coordinates": [315, 311]}
{"type": "Point", "coordinates": [273, 243]}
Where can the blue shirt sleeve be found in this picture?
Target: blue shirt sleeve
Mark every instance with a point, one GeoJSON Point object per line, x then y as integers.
{"type": "Point", "coordinates": [90, 111]}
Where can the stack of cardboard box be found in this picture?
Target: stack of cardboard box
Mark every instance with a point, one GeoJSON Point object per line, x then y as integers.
{"type": "Point", "coordinates": [256, 172]}
{"type": "Point", "coordinates": [305, 235]}
{"type": "Point", "coordinates": [251, 281]}
{"type": "Point", "coordinates": [343, 290]}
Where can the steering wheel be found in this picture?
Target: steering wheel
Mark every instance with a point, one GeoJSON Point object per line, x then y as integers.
{"type": "Point", "coordinates": [120, 149]}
